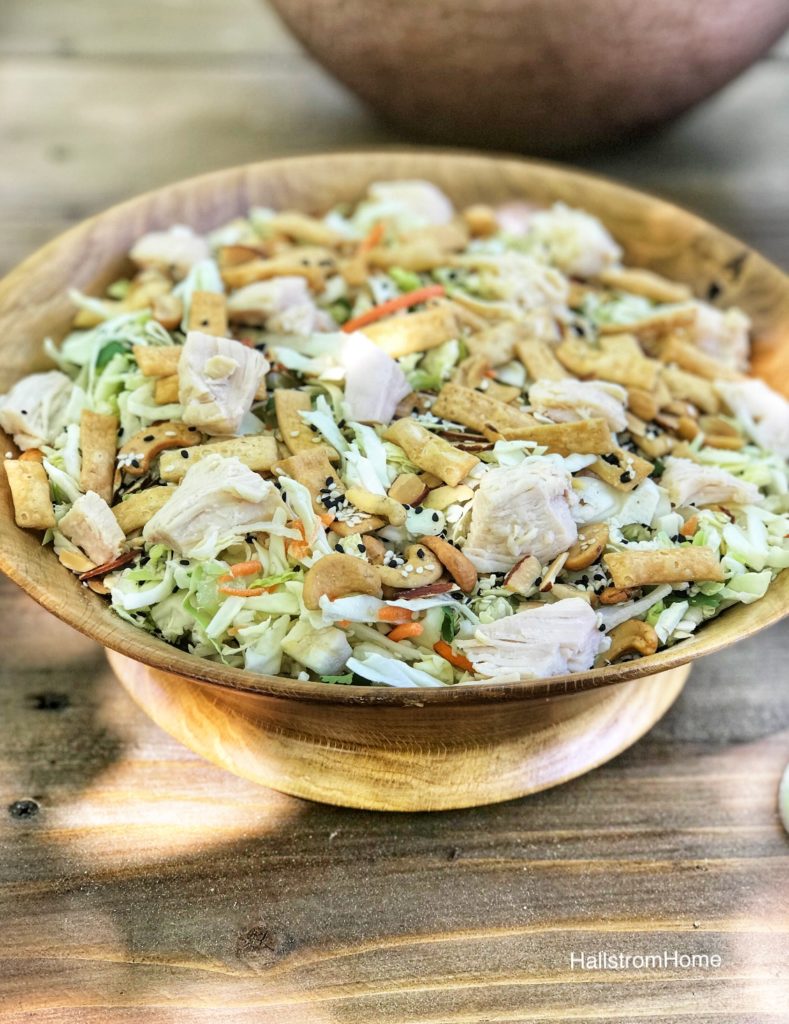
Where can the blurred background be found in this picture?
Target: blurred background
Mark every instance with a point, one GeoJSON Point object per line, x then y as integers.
{"type": "Point", "coordinates": [100, 101]}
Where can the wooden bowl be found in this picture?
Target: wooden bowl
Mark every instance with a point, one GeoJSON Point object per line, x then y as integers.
{"type": "Point", "coordinates": [536, 76]}
{"type": "Point", "coordinates": [371, 746]}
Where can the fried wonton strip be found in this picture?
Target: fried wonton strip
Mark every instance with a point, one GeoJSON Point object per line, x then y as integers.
{"type": "Point", "coordinates": [134, 512]}
{"type": "Point", "coordinates": [257, 451]}
{"type": "Point", "coordinates": [431, 453]}
{"type": "Point", "coordinates": [618, 359]}
{"type": "Point", "coordinates": [587, 437]}
{"type": "Point", "coordinates": [296, 434]}
{"type": "Point", "coordinates": [311, 263]}
{"type": "Point", "coordinates": [313, 470]}
{"type": "Point", "coordinates": [303, 228]}
{"type": "Point", "coordinates": [165, 390]}
{"type": "Point", "coordinates": [98, 436]}
{"type": "Point", "coordinates": [476, 410]}
{"type": "Point", "coordinates": [29, 485]}
{"type": "Point", "coordinates": [539, 359]}
{"type": "Point", "coordinates": [505, 393]}
{"type": "Point", "coordinates": [137, 454]}
{"type": "Point", "coordinates": [676, 565]}
{"type": "Point", "coordinates": [658, 323]}
{"type": "Point", "coordinates": [622, 470]}
{"type": "Point", "coordinates": [691, 388]}
{"type": "Point", "coordinates": [690, 357]}
{"type": "Point", "coordinates": [208, 313]}
{"type": "Point", "coordinates": [157, 360]}
{"type": "Point", "coordinates": [644, 282]}
{"type": "Point", "coordinates": [421, 250]}
{"type": "Point", "coordinates": [413, 332]}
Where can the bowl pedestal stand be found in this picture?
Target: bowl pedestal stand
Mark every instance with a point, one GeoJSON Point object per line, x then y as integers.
{"type": "Point", "coordinates": [414, 758]}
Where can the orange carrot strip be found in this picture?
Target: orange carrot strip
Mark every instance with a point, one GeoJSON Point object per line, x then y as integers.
{"type": "Point", "coordinates": [32, 455]}
{"type": "Point", "coordinates": [251, 568]}
{"type": "Point", "coordinates": [458, 660]}
{"type": "Point", "coordinates": [343, 623]}
{"type": "Point", "coordinates": [374, 237]}
{"type": "Point", "coordinates": [689, 528]}
{"type": "Point", "coordinates": [242, 591]}
{"type": "Point", "coordinates": [327, 518]}
{"type": "Point", "coordinates": [432, 291]}
{"type": "Point", "coordinates": [405, 630]}
{"type": "Point", "coordinates": [393, 614]}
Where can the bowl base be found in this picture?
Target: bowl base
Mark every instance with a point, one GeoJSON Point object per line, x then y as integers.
{"type": "Point", "coordinates": [462, 757]}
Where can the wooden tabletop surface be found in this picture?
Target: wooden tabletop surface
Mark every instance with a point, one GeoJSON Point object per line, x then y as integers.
{"type": "Point", "coordinates": [139, 883]}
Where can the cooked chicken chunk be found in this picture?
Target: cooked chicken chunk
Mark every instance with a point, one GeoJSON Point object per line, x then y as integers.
{"type": "Point", "coordinates": [516, 216]}
{"type": "Point", "coordinates": [175, 251]}
{"type": "Point", "coordinates": [518, 511]}
{"type": "Point", "coordinates": [219, 500]}
{"type": "Point", "coordinates": [574, 241]}
{"type": "Point", "coordinates": [689, 483]}
{"type": "Point", "coordinates": [565, 401]}
{"type": "Point", "coordinates": [722, 334]}
{"type": "Point", "coordinates": [217, 381]}
{"type": "Point", "coordinates": [540, 642]}
{"type": "Point", "coordinates": [519, 278]}
{"type": "Point", "coordinates": [374, 382]}
{"type": "Point", "coordinates": [34, 410]}
{"type": "Point", "coordinates": [91, 525]}
{"type": "Point", "coordinates": [419, 202]}
{"type": "Point", "coordinates": [284, 305]}
{"type": "Point", "coordinates": [763, 412]}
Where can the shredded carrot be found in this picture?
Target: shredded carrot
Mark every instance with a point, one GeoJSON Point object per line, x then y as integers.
{"type": "Point", "coordinates": [374, 237]}
{"type": "Point", "coordinates": [689, 528]}
{"type": "Point", "coordinates": [406, 630]}
{"type": "Point", "coordinates": [390, 613]}
{"type": "Point", "coordinates": [327, 518]}
{"type": "Point", "coordinates": [242, 569]}
{"type": "Point", "coordinates": [242, 591]}
{"type": "Point", "coordinates": [432, 291]}
{"type": "Point", "coordinates": [32, 455]}
{"type": "Point", "coordinates": [489, 373]}
{"type": "Point", "coordinates": [343, 623]}
{"type": "Point", "coordinates": [458, 660]}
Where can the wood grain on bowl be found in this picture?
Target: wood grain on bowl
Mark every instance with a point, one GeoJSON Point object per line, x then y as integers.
{"type": "Point", "coordinates": [536, 76]}
{"type": "Point", "coordinates": [655, 234]}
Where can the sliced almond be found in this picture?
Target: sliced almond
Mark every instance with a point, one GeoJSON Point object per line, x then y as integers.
{"type": "Point", "coordinates": [442, 497]}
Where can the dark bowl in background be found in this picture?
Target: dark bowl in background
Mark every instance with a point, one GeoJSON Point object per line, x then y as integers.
{"type": "Point", "coordinates": [534, 76]}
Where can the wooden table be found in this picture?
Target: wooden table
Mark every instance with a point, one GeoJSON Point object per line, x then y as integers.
{"type": "Point", "coordinates": [138, 883]}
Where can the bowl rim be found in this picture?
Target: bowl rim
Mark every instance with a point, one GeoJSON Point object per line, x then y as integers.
{"type": "Point", "coordinates": [160, 655]}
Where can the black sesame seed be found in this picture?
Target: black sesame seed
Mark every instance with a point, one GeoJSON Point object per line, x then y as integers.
{"type": "Point", "coordinates": [149, 437]}
{"type": "Point", "coordinates": [183, 561]}
{"type": "Point", "coordinates": [599, 576]}
{"type": "Point", "coordinates": [340, 548]}
{"type": "Point", "coordinates": [612, 459]}
{"type": "Point", "coordinates": [361, 547]}
{"type": "Point", "coordinates": [191, 429]}
{"type": "Point", "coordinates": [23, 411]}
{"type": "Point", "coordinates": [538, 581]}
{"type": "Point", "coordinates": [23, 809]}
{"type": "Point", "coordinates": [435, 517]}
{"type": "Point", "coordinates": [135, 463]}
{"type": "Point", "coordinates": [713, 291]}
{"type": "Point", "coordinates": [184, 453]}
{"type": "Point", "coordinates": [418, 509]}
{"type": "Point", "coordinates": [601, 627]}
{"type": "Point", "coordinates": [329, 481]}
{"type": "Point", "coordinates": [625, 477]}
{"type": "Point", "coordinates": [420, 553]}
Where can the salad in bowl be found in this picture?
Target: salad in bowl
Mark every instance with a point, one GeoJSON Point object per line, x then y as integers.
{"type": "Point", "coordinates": [406, 445]}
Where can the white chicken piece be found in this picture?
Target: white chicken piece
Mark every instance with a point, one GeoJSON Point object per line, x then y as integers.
{"type": "Point", "coordinates": [565, 401]}
{"type": "Point", "coordinates": [282, 305]}
{"type": "Point", "coordinates": [91, 525]}
{"type": "Point", "coordinates": [519, 278]}
{"type": "Point", "coordinates": [374, 382]}
{"type": "Point", "coordinates": [34, 410]}
{"type": "Point", "coordinates": [515, 217]}
{"type": "Point", "coordinates": [219, 500]}
{"type": "Point", "coordinates": [722, 334]}
{"type": "Point", "coordinates": [689, 483]}
{"type": "Point", "coordinates": [763, 412]}
{"type": "Point", "coordinates": [217, 381]}
{"type": "Point", "coordinates": [549, 640]}
{"type": "Point", "coordinates": [174, 251]}
{"type": "Point", "coordinates": [521, 510]}
{"type": "Point", "coordinates": [574, 241]}
{"type": "Point", "coordinates": [419, 203]}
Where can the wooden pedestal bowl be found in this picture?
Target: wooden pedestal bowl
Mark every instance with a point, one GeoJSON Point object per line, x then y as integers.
{"type": "Point", "coordinates": [371, 746]}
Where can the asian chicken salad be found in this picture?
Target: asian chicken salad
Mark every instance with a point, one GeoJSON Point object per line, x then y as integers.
{"type": "Point", "coordinates": [403, 444]}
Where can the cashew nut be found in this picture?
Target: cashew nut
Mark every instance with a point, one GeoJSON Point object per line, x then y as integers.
{"type": "Point", "coordinates": [632, 637]}
{"type": "Point", "coordinates": [456, 563]}
{"type": "Point", "coordinates": [591, 543]}
{"type": "Point", "coordinates": [408, 489]}
{"type": "Point", "coordinates": [614, 595]}
{"type": "Point", "coordinates": [338, 576]}
{"type": "Point", "coordinates": [375, 548]}
{"type": "Point", "coordinates": [420, 569]}
{"type": "Point", "coordinates": [442, 497]}
{"type": "Point", "coordinates": [377, 505]}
